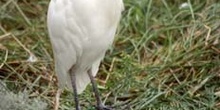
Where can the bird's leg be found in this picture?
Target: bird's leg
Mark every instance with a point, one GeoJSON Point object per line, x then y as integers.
{"type": "Point", "coordinates": [73, 81]}
{"type": "Point", "coordinates": [100, 105]}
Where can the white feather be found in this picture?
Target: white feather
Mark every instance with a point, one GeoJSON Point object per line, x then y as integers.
{"type": "Point", "coordinates": [81, 31]}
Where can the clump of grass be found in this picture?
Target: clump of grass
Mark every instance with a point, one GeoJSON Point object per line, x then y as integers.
{"type": "Point", "coordinates": [23, 36]}
{"type": "Point", "coordinates": [19, 101]}
{"type": "Point", "coordinates": [171, 55]}
{"type": "Point", "coordinates": [165, 57]}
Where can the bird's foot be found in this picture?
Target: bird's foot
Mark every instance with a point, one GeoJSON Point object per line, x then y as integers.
{"type": "Point", "coordinates": [103, 107]}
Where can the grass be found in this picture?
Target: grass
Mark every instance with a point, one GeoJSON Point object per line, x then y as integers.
{"type": "Point", "coordinates": [164, 57]}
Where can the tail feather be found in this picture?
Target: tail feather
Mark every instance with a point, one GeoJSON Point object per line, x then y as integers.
{"type": "Point", "coordinates": [82, 78]}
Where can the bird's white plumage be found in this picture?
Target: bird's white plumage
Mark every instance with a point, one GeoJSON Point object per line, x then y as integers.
{"type": "Point", "coordinates": [81, 31]}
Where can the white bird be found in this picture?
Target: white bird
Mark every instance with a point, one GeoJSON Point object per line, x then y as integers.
{"type": "Point", "coordinates": [80, 32]}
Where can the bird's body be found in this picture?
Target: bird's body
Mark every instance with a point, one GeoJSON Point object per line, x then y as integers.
{"type": "Point", "coordinates": [81, 31]}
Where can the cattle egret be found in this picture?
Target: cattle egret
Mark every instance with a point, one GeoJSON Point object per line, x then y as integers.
{"type": "Point", "coordinates": [80, 32]}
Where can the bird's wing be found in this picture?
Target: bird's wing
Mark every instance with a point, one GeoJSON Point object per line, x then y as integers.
{"type": "Point", "coordinates": [98, 20]}
{"type": "Point", "coordinates": [66, 45]}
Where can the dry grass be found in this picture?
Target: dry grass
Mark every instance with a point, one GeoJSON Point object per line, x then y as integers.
{"type": "Point", "coordinates": [163, 58]}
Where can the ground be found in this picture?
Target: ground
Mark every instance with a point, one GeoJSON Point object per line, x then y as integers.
{"type": "Point", "coordinates": [165, 56]}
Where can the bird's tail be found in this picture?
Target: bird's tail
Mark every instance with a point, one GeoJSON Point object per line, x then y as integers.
{"type": "Point", "coordinates": [82, 77]}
